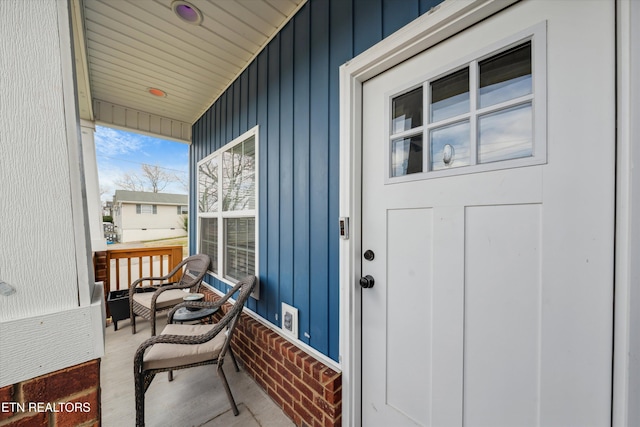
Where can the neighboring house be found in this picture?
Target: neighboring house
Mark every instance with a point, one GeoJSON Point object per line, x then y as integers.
{"type": "Point", "coordinates": [444, 191]}
{"type": "Point", "coordinates": [107, 208]}
{"type": "Point", "coordinates": [141, 215]}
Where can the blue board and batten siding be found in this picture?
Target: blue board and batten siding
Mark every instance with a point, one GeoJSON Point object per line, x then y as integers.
{"type": "Point", "coordinates": [291, 90]}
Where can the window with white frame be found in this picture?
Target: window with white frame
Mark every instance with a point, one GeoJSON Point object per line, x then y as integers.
{"type": "Point", "coordinates": [227, 215]}
{"type": "Point", "coordinates": [146, 209]}
{"type": "Point", "coordinates": [484, 113]}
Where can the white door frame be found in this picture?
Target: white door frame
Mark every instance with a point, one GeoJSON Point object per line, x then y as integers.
{"type": "Point", "coordinates": [445, 20]}
{"type": "Point", "coordinates": [626, 361]}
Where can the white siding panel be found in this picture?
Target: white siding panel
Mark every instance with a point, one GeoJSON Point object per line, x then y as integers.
{"type": "Point", "coordinates": [119, 116]}
{"type": "Point", "coordinates": [143, 122]}
{"type": "Point", "coordinates": [37, 255]}
{"type": "Point", "coordinates": [272, 12]}
{"type": "Point", "coordinates": [155, 125]}
{"type": "Point", "coordinates": [61, 339]}
{"type": "Point", "coordinates": [44, 244]}
{"type": "Point", "coordinates": [108, 114]}
{"type": "Point", "coordinates": [131, 118]}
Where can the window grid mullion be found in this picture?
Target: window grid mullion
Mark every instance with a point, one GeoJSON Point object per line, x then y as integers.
{"type": "Point", "coordinates": [530, 152]}
{"type": "Point", "coordinates": [473, 108]}
{"type": "Point", "coordinates": [219, 213]}
{"type": "Point", "coordinates": [506, 105]}
{"type": "Point", "coordinates": [426, 120]}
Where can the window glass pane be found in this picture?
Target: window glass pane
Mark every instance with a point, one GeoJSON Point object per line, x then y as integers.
{"type": "Point", "coordinates": [240, 257]}
{"type": "Point", "coordinates": [450, 146]}
{"type": "Point", "coordinates": [406, 156]}
{"type": "Point", "coordinates": [209, 240]}
{"type": "Point", "coordinates": [506, 76]}
{"type": "Point", "coordinates": [407, 111]}
{"type": "Point", "coordinates": [208, 186]}
{"type": "Point", "coordinates": [450, 96]}
{"type": "Point", "coordinates": [147, 209]}
{"type": "Point", "coordinates": [239, 177]}
{"type": "Point", "coordinates": [506, 134]}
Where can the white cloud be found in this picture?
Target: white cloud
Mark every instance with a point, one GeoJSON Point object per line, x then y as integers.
{"type": "Point", "coordinates": [112, 142]}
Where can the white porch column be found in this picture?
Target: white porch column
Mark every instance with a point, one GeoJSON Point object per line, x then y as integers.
{"type": "Point", "coordinates": [94, 204]}
{"type": "Point", "coordinates": [52, 316]}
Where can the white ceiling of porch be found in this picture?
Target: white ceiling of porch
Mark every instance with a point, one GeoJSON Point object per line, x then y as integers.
{"type": "Point", "coordinates": [125, 47]}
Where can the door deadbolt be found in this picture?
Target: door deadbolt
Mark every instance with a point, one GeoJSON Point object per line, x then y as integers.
{"type": "Point", "coordinates": [369, 255]}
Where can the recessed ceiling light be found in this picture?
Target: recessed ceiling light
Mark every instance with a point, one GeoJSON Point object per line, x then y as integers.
{"type": "Point", "coordinates": [157, 92]}
{"type": "Point", "coordinates": [187, 12]}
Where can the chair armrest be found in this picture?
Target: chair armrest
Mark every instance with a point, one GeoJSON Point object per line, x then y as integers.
{"type": "Point", "coordinates": [145, 279]}
{"type": "Point", "coordinates": [173, 285]}
{"type": "Point", "coordinates": [134, 286]}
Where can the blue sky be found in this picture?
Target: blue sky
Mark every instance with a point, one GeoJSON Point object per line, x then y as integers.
{"type": "Point", "coordinates": [119, 152]}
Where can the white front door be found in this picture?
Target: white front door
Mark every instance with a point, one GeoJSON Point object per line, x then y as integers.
{"type": "Point", "coordinates": [488, 214]}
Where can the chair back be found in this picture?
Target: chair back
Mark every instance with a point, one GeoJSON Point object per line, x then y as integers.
{"type": "Point", "coordinates": [195, 267]}
{"type": "Point", "coordinates": [245, 287]}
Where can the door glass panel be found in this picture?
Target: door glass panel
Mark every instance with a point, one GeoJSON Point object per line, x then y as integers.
{"type": "Point", "coordinates": [450, 146]}
{"type": "Point", "coordinates": [506, 134]}
{"type": "Point", "coordinates": [406, 156]}
{"type": "Point", "coordinates": [450, 96]}
{"type": "Point", "coordinates": [407, 111]}
{"type": "Point", "coordinates": [506, 76]}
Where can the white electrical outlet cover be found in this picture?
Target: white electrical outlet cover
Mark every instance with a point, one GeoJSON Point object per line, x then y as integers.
{"type": "Point", "coordinates": [289, 320]}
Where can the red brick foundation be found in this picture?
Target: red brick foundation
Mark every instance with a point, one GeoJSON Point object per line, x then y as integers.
{"type": "Point", "coordinates": [69, 397]}
{"type": "Point", "coordinates": [308, 391]}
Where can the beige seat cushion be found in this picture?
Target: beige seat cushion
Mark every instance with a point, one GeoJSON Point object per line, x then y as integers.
{"type": "Point", "coordinates": [166, 298]}
{"type": "Point", "coordinates": [164, 355]}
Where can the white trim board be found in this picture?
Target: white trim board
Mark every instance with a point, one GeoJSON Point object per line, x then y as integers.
{"type": "Point", "coordinates": [626, 361]}
{"type": "Point", "coordinates": [39, 345]}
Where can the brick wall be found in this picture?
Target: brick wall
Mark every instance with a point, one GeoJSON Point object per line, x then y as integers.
{"type": "Point", "coordinates": [69, 397]}
{"type": "Point", "coordinates": [308, 391]}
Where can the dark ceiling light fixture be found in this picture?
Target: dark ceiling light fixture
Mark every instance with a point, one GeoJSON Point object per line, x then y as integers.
{"type": "Point", "coordinates": [187, 12]}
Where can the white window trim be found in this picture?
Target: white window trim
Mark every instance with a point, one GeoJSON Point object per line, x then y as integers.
{"type": "Point", "coordinates": [221, 215]}
{"type": "Point", "coordinates": [537, 34]}
{"type": "Point", "coordinates": [144, 207]}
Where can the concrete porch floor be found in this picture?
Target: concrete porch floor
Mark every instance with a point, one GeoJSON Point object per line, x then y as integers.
{"type": "Point", "coordinates": [195, 397]}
